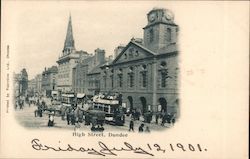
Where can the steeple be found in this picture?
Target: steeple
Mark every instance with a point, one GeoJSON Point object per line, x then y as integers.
{"type": "Point", "coordinates": [69, 44]}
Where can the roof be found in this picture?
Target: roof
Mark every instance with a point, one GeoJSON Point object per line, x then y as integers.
{"type": "Point", "coordinates": [96, 69]}
{"type": "Point", "coordinates": [87, 60]}
{"type": "Point", "coordinates": [69, 41]}
{"type": "Point", "coordinates": [52, 69]}
{"type": "Point", "coordinates": [132, 42]}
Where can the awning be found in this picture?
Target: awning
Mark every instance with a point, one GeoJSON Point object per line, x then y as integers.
{"type": "Point", "coordinates": [68, 95]}
{"type": "Point", "coordinates": [80, 95]}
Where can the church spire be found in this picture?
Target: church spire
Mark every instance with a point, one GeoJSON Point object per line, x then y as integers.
{"type": "Point", "coordinates": [69, 44]}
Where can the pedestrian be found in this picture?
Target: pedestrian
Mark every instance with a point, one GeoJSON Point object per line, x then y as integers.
{"type": "Point", "coordinates": [51, 120]}
{"type": "Point", "coordinates": [147, 129]}
{"type": "Point", "coordinates": [164, 118]}
{"type": "Point", "coordinates": [73, 117]}
{"type": "Point", "coordinates": [36, 112]}
{"type": "Point", "coordinates": [173, 118]}
{"type": "Point", "coordinates": [156, 118]}
{"type": "Point", "coordinates": [168, 118]}
{"type": "Point", "coordinates": [68, 118]}
{"type": "Point", "coordinates": [40, 111]}
{"type": "Point", "coordinates": [16, 105]}
{"type": "Point", "coordinates": [131, 125]}
{"type": "Point", "coordinates": [141, 128]}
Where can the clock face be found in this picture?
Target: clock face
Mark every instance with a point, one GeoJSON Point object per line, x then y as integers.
{"type": "Point", "coordinates": [152, 17]}
{"type": "Point", "coordinates": [169, 15]}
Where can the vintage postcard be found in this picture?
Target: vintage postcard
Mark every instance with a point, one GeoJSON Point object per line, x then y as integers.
{"type": "Point", "coordinates": [124, 79]}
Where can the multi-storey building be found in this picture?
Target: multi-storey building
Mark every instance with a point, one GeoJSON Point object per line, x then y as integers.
{"type": "Point", "coordinates": [21, 83]}
{"type": "Point", "coordinates": [38, 88]}
{"type": "Point", "coordinates": [17, 84]}
{"type": "Point", "coordinates": [67, 60]}
{"type": "Point", "coordinates": [145, 71]}
{"type": "Point", "coordinates": [31, 87]}
{"type": "Point", "coordinates": [49, 78]}
{"type": "Point", "coordinates": [86, 73]}
{"type": "Point", "coordinates": [118, 50]}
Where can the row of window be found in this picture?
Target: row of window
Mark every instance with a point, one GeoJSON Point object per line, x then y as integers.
{"type": "Point", "coordinates": [63, 75]}
{"type": "Point", "coordinates": [94, 84]}
{"type": "Point", "coordinates": [143, 79]}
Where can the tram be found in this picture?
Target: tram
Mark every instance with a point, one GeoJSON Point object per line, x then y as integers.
{"type": "Point", "coordinates": [111, 108]}
{"type": "Point", "coordinates": [67, 100]}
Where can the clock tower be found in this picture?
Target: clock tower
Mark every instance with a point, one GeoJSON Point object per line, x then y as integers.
{"type": "Point", "coordinates": [160, 34]}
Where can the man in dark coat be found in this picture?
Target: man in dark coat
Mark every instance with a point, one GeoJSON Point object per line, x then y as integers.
{"type": "Point", "coordinates": [68, 117]}
{"type": "Point", "coordinates": [141, 128]}
{"type": "Point", "coordinates": [131, 125]}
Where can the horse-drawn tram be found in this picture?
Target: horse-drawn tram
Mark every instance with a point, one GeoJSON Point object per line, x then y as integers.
{"type": "Point", "coordinates": [111, 108]}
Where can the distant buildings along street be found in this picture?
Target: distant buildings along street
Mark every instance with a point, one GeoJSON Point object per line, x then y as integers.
{"type": "Point", "coordinates": [144, 72]}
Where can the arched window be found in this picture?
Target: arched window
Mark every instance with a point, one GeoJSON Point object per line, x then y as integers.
{"type": "Point", "coordinates": [151, 35]}
{"type": "Point", "coordinates": [143, 76]}
{"type": "Point", "coordinates": [131, 77]}
{"type": "Point", "coordinates": [120, 78]}
{"type": "Point", "coordinates": [105, 81]}
{"type": "Point", "coordinates": [163, 79]}
{"type": "Point", "coordinates": [112, 80]}
{"type": "Point", "coordinates": [144, 79]}
{"type": "Point", "coordinates": [168, 34]}
{"type": "Point", "coordinates": [163, 74]}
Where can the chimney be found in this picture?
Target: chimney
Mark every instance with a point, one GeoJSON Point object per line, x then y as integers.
{"type": "Point", "coordinates": [99, 56]}
{"type": "Point", "coordinates": [118, 50]}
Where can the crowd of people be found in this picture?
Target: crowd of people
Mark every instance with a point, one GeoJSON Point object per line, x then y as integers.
{"type": "Point", "coordinates": [148, 117]}
{"type": "Point", "coordinates": [76, 114]}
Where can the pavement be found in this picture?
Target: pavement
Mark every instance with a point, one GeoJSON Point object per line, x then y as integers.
{"type": "Point", "coordinates": [26, 118]}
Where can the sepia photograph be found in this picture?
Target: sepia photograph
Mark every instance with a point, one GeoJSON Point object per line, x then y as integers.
{"type": "Point", "coordinates": [124, 79]}
{"type": "Point", "coordinates": [130, 87]}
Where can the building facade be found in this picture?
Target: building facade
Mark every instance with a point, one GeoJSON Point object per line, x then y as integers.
{"type": "Point", "coordinates": [86, 74]}
{"type": "Point", "coordinates": [17, 84]}
{"type": "Point", "coordinates": [21, 83]}
{"type": "Point", "coordinates": [67, 61]}
{"type": "Point", "coordinates": [118, 50]}
{"type": "Point", "coordinates": [49, 80]}
{"type": "Point", "coordinates": [31, 87]}
{"type": "Point", "coordinates": [145, 72]}
{"type": "Point", "coordinates": [38, 80]}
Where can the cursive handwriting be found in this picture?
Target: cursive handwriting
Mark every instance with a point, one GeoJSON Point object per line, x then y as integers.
{"type": "Point", "coordinates": [102, 149]}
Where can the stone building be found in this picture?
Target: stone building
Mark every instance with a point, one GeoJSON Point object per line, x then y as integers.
{"type": "Point", "coordinates": [118, 50]}
{"type": "Point", "coordinates": [67, 61]}
{"type": "Point", "coordinates": [21, 83]}
{"type": "Point", "coordinates": [49, 80]}
{"type": "Point", "coordinates": [31, 87]}
{"type": "Point", "coordinates": [145, 71]}
{"type": "Point", "coordinates": [86, 74]}
{"type": "Point", "coordinates": [24, 82]}
{"type": "Point", "coordinates": [38, 80]}
{"type": "Point", "coordinates": [17, 84]}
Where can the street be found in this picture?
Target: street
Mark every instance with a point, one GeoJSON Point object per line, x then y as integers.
{"type": "Point", "coordinates": [26, 118]}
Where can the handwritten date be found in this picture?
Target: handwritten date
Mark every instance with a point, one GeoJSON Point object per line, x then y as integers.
{"type": "Point", "coordinates": [103, 149]}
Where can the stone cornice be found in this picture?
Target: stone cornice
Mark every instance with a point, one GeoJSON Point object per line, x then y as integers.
{"type": "Point", "coordinates": [147, 58]}
{"type": "Point", "coordinates": [159, 22]}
